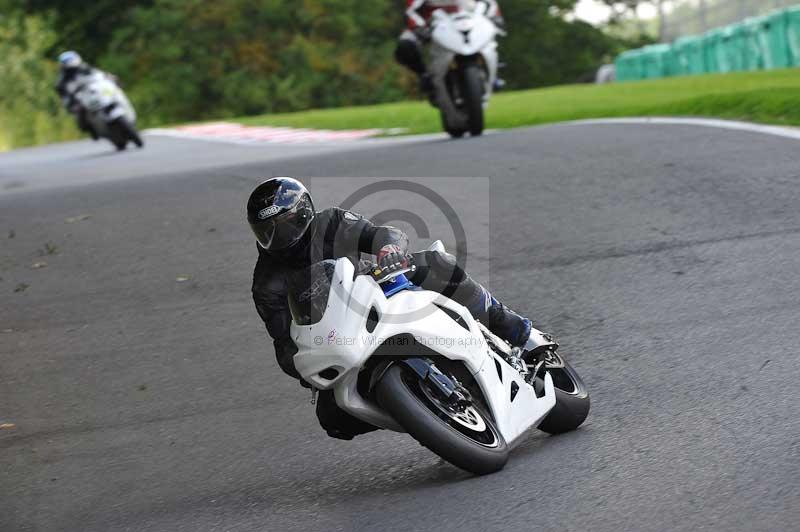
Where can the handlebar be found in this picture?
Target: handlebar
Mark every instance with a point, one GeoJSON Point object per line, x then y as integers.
{"type": "Point", "coordinates": [378, 275]}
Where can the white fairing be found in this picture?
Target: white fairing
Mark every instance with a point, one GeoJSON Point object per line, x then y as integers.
{"type": "Point", "coordinates": [341, 341]}
{"type": "Point", "coordinates": [96, 93]}
{"type": "Point", "coordinates": [463, 33]}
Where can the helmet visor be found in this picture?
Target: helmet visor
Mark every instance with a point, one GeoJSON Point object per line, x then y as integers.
{"type": "Point", "coordinates": [285, 229]}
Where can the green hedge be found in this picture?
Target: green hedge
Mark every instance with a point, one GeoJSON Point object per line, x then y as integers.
{"type": "Point", "coordinates": [758, 43]}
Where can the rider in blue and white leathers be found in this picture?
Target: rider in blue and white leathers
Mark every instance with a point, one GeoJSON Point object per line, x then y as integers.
{"type": "Point", "coordinates": [73, 73]}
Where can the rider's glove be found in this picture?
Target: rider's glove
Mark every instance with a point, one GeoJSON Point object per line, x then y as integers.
{"type": "Point", "coordinates": [391, 258]}
{"type": "Point", "coordinates": [423, 33]}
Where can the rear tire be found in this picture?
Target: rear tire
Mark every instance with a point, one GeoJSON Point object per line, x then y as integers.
{"type": "Point", "coordinates": [120, 144]}
{"type": "Point", "coordinates": [129, 132]}
{"type": "Point", "coordinates": [122, 131]}
{"type": "Point", "coordinates": [401, 393]}
{"type": "Point", "coordinates": [472, 88]}
{"type": "Point", "coordinates": [572, 401]}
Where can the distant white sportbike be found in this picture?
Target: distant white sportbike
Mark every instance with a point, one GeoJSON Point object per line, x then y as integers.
{"type": "Point", "coordinates": [463, 64]}
{"type": "Point", "coordinates": [410, 360]}
{"type": "Point", "coordinates": [108, 110]}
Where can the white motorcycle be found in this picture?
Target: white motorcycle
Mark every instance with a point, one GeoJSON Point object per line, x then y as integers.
{"type": "Point", "coordinates": [410, 360]}
{"type": "Point", "coordinates": [463, 64]}
{"type": "Point", "coordinates": [108, 110]}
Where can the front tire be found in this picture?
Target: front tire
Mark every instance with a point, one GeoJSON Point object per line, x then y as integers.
{"type": "Point", "coordinates": [572, 399]}
{"type": "Point", "coordinates": [472, 88]}
{"type": "Point", "coordinates": [455, 133]}
{"type": "Point", "coordinates": [469, 439]}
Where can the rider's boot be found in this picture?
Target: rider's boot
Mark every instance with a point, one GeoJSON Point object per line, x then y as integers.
{"type": "Point", "coordinates": [515, 329]}
{"type": "Point", "coordinates": [440, 272]}
{"type": "Point", "coordinates": [498, 318]}
{"type": "Point", "coordinates": [427, 88]}
{"type": "Point", "coordinates": [409, 54]}
{"type": "Point", "coordinates": [426, 84]}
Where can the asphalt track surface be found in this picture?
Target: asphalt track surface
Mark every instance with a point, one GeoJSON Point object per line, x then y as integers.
{"type": "Point", "coordinates": [666, 259]}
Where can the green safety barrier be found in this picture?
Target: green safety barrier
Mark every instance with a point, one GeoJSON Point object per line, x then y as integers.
{"type": "Point", "coordinates": [712, 48]}
{"type": "Point", "coordinates": [753, 58]}
{"type": "Point", "coordinates": [690, 56]}
{"type": "Point", "coordinates": [629, 65]}
{"type": "Point", "coordinates": [775, 40]}
{"type": "Point", "coordinates": [734, 48]}
{"type": "Point", "coordinates": [793, 35]}
{"type": "Point", "coordinates": [656, 61]}
{"type": "Point", "coordinates": [770, 41]}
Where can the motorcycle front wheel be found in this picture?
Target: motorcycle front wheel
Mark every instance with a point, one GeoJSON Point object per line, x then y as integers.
{"type": "Point", "coordinates": [461, 434]}
{"type": "Point", "coordinates": [453, 132]}
{"type": "Point", "coordinates": [472, 90]}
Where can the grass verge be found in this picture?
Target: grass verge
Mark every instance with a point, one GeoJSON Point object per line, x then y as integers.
{"type": "Point", "coordinates": [23, 125]}
{"type": "Point", "coordinates": [771, 97]}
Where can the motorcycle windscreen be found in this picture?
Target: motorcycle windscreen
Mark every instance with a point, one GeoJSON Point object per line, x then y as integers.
{"type": "Point", "coordinates": [309, 290]}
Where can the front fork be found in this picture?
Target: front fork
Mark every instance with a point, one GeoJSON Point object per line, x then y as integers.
{"type": "Point", "coordinates": [445, 386]}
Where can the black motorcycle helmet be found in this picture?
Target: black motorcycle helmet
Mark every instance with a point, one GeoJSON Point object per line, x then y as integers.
{"type": "Point", "coordinates": [280, 211]}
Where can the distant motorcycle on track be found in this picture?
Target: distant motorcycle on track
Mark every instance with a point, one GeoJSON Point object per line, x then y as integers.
{"type": "Point", "coordinates": [463, 65]}
{"type": "Point", "coordinates": [108, 110]}
{"type": "Point", "coordinates": [410, 360]}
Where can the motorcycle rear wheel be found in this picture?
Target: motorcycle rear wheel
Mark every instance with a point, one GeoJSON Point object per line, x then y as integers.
{"type": "Point", "coordinates": [467, 438]}
{"type": "Point", "coordinates": [129, 131]}
{"type": "Point", "coordinates": [572, 399]}
{"type": "Point", "coordinates": [121, 131]}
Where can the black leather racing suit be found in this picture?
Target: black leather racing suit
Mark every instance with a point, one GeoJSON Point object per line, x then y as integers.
{"type": "Point", "coordinates": [336, 233]}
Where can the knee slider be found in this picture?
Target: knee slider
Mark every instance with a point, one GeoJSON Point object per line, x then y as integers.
{"type": "Point", "coordinates": [441, 259]}
{"type": "Point", "coordinates": [444, 266]}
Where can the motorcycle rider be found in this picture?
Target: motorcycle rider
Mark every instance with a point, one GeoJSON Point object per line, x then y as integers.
{"type": "Point", "coordinates": [418, 33]}
{"type": "Point", "coordinates": [73, 71]}
{"type": "Point", "coordinates": [292, 235]}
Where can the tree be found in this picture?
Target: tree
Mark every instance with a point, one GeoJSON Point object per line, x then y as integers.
{"type": "Point", "coordinates": [186, 60]}
{"type": "Point", "coordinates": [543, 48]}
{"type": "Point", "coordinates": [30, 112]}
{"type": "Point", "coordinates": [85, 25]}
{"type": "Point", "coordinates": [622, 8]}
